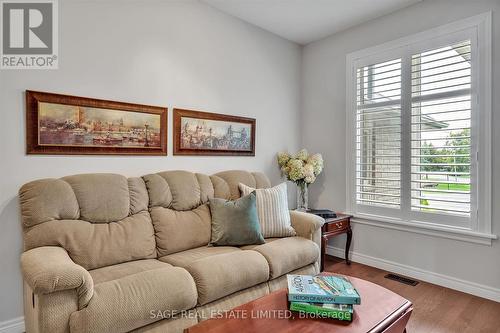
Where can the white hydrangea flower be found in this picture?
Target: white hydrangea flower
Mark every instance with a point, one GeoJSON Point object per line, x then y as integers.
{"type": "Point", "coordinates": [302, 155]}
{"type": "Point", "coordinates": [283, 158]}
{"type": "Point", "coordinates": [310, 179]}
{"type": "Point", "coordinates": [296, 169]}
{"type": "Point", "coordinates": [308, 170]}
{"type": "Point", "coordinates": [301, 168]}
{"type": "Point", "coordinates": [316, 161]}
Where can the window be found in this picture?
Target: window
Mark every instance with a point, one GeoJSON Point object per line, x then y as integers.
{"type": "Point", "coordinates": [441, 130]}
{"type": "Point", "coordinates": [419, 114]}
{"type": "Point", "coordinates": [378, 135]}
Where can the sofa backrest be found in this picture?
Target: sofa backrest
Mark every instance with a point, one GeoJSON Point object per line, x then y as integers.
{"type": "Point", "coordinates": [178, 204]}
{"type": "Point", "coordinates": [100, 219]}
{"type": "Point", "coordinates": [233, 177]}
{"type": "Point", "coordinates": [106, 219]}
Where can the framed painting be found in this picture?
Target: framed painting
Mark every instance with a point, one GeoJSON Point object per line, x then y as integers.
{"type": "Point", "coordinates": [63, 124]}
{"type": "Point", "coordinates": [205, 133]}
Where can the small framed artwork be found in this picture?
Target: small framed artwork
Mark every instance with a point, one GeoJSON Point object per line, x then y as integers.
{"type": "Point", "coordinates": [205, 133]}
{"type": "Point", "coordinates": [63, 124]}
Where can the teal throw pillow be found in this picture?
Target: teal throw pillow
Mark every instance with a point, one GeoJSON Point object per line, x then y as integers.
{"type": "Point", "coordinates": [235, 222]}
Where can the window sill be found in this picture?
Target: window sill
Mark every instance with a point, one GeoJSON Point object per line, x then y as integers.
{"type": "Point", "coordinates": [425, 229]}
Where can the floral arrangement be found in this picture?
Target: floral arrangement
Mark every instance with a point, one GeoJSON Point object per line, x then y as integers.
{"type": "Point", "coordinates": [301, 168]}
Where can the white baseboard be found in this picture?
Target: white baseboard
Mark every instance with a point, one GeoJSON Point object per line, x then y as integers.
{"type": "Point", "coordinates": [469, 287]}
{"type": "Point", "coordinates": [15, 325]}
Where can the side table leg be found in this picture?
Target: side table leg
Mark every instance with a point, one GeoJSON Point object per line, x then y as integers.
{"type": "Point", "coordinates": [348, 245]}
{"type": "Point", "coordinates": [324, 241]}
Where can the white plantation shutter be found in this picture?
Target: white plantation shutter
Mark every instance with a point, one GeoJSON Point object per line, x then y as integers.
{"type": "Point", "coordinates": [419, 116]}
{"type": "Point", "coordinates": [378, 134]}
{"type": "Point", "coordinates": [441, 130]}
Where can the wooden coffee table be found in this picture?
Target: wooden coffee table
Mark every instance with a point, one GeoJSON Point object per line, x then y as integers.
{"type": "Point", "coordinates": [381, 310]}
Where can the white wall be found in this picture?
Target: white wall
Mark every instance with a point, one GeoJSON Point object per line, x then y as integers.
{"type": "Point", "coordinates": [185, 54]}
{"type": "Point", "coordinates": [167, 53]}
{"type": "Point", "coordinates": [324, 130]}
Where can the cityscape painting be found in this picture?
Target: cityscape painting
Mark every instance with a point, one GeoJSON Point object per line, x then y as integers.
{"type": "Point", "coordinates": [62, 124]}
{"type": "Point", "coordinates": [204, 133]}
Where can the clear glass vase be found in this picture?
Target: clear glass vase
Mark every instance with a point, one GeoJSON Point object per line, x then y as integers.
{"type": "Point", "coordinates": [302, 197]}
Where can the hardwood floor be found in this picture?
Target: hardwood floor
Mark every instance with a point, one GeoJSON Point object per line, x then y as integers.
{"type": "Point", "coordinates": [436, 309]}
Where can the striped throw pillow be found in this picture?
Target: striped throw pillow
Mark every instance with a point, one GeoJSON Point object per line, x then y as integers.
{"type": "Point", "coordinates": [272, 208]}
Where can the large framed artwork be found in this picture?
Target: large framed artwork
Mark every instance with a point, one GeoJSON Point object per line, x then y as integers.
{"type": "Point", "coordinates": [205, 133]}
{"type": "Point", "coordinates": [63, 124]}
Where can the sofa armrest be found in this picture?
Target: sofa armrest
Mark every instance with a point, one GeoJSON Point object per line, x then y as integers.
{"type": "Point", "coordinates": [307, 225]}
{"type": "Point", "coordinates": [48, 269]}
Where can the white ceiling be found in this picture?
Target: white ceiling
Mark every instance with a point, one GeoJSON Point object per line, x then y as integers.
{"type": "Point", "coordinates": [304, 21]}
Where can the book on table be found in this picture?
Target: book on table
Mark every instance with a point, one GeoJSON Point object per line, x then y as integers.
{"type": "Point", "coordinates": [323, 310]}
{"type": "Point", "coordinates": [321, 289]}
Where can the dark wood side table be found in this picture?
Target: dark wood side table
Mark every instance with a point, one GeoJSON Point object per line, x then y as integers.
{"type": "Point", "coordinates": [333, 227]}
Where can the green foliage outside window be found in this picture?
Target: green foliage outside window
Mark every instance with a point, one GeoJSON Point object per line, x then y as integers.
{"type": "Point", "coordinates": [447, 160]}
{"type": "Point", "coordinates": [435, 155]}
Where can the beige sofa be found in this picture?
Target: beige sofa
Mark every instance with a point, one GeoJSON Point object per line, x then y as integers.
{"type": "Point", "coordinates": [104, 253]}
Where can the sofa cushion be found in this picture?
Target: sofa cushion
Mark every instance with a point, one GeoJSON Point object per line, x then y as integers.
{"type": "Point", "coordinates": [281, 281]}
{"type": "Point", "coordinates": [186, 258]}
{"type": "Point", "coordinates": [229, 302]}
{"type": "Point", "coordinates": [253, 246]}
{"type": "Point", "coordinates": [221, 188]}
{"type": "Point", "coordinates": [46, 200]}
{"type": "Point", "coordinates": [177, 231]}
{"type": "Point", "coordinates": [185, 189]}
{"type": "Point", "coordinates": [272, 207]}
{"type": "Point", "coordinates": [99, 219]}
{"type": "Point", "coordinates": [158, 191]}
{"type": "Point", "coordinates": [223, 274]}
{"type": "Point", "coordinates": [235, 223]}
{"type": "Point", "coordinates": [102, 197]}
{"type": "Point", "coordinates": [178, 189]}
{"type": "Point", "coordinates": [178, 205]}
{"type": "Point", "coordinates": [233, 177]}
{"type": "Point", "coordinates": [119, 271]}
{"type": "Point", "coordinates": [287, 254]}
{"type": "Point", "coordinates": [139, 198]}
{"type": "Point", "coordinates": [94, 245]}
{"type": "Point", "coordinates": [125, 303]}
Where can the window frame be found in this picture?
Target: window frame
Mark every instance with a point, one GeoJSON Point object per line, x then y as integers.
{"type": "Point", "coordinates": [478, 30]}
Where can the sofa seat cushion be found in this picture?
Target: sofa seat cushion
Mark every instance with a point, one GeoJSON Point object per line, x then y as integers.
{"type": "Point", "coordinates": [126, 303]}
{"type": "Point", "coordinates": [186, 258]}
{"type": "Point", "coordinates": [253, 246]}
{"type": "Point", "coordinates": [223, 274]}
{"type": "Point", "coordinates": [287, 254]}
{"type": "Point", "coordinates": [119, 271]}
